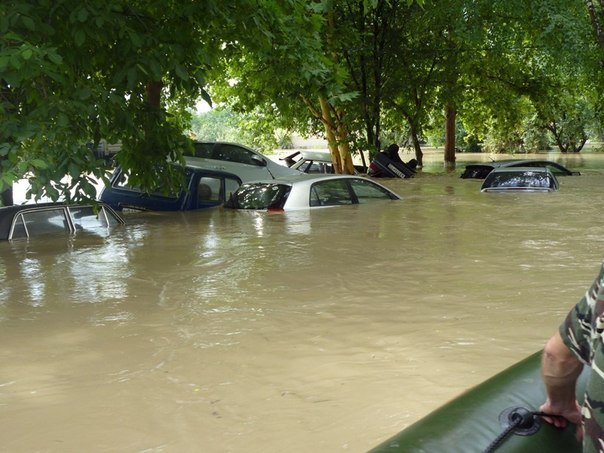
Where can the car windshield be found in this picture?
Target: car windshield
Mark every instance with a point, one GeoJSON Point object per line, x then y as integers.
{"type": "Point", "coordinates": [519, 180]}
{"type": "Point", "coordinates": [259, 196]}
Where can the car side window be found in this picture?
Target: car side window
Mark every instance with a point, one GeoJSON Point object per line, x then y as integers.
{"type": "Point", "coordinates": [208, 189]}
{"type": "Point", "coordinates": [366, 190]}
{"type": "Point", "coordinates": [41, 222]}
{"type": "Point", "coordinates": [122, 181]}
{"type": "Point", "coordinates": [330, 193]}
{"type": "Point", "coordinates": [556, 170]}
{"type": "Point", "coordinates": [19, 230]}
{"type": "Point", "coordinates": [85, 217]}
{"type": "Point", "coordinates": [203, 150]}
{"type": "Point", "coordinates": [315, 199]}
{"type": "Point", "coordinates": [230, 186]}
{"type": "Point", "coordinates": [232, 153]}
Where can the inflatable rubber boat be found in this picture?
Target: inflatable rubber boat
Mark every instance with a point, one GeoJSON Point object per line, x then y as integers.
{"type": "Point", "coordinates": [500, 415]}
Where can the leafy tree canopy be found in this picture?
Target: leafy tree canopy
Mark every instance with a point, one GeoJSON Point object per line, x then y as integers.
{"type": "Point", "coordinates": [73, 72]}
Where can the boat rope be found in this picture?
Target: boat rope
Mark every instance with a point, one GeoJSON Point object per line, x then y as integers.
{"type": "Point", "coordinates": [520, 419]}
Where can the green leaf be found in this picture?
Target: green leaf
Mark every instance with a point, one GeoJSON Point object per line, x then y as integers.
{"type": "Point", "coordinates": [181, 72]}
{"type": "Point", "coordinates": [28, 22]}
{"type": "Point", "coordinates": [132, 77]}
{"type": "Point", "coordinates": [6, 182]}
{"type": "Point", "coordinates": [206, 97]}
{"type": "Point", "coordinates": [84, 93]}
{"type": "Point", "coordinates": [27, 53]}
{"type": "Point", "coordinates": [16, 62]}
{"type": "Point", "coordinates": [54, 57]}
{"type": "Point", "coordinates": [83, 15]}
{"type": "Point", "coordinates": [63, 120]}
{"type": "Point", "coordinates": [155, 69]}
{"type": "Point", "coordinates": [39, 164]}
{"type": "Point", "coordinates": [4, 24]}
{"type": "Point", "coordinates": [74, 170]}
{"type": "Point", "coordinates": [79, 37]}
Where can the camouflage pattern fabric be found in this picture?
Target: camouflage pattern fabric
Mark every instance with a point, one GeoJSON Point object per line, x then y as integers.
{"type": "Point", "coordinates": [582, 333]}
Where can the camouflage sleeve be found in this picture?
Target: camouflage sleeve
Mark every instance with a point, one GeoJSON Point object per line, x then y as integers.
{"type": "Point", "coordinates": [583, 324]}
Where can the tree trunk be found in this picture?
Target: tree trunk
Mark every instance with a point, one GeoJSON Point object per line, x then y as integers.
{"type": "Point", "coordinates": [343, 145]}
{"type": "Point", "coordinates": [330, 134]}
{"type": "Point", "coordinates": [597, 18]}
{"type": "Point", "coordinates": [419, 155]}
{"type": "Point", "coordinates": [6, 198]}
{"type": "Point", "coordinates": [154, 94]}
{"type": "Point", "coordinates": [450, 137]}
{"type": "Point", "coordinates": [347, 166]}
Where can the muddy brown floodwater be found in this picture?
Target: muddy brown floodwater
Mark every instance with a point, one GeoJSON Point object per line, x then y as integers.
{"type": "Point", "coordinates": [331, 330]}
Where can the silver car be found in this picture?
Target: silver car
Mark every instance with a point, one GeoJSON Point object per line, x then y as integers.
{"type": "Point", "coordinates": [247, 164]}
{"type": "Point", "coordinates": [309, 191]}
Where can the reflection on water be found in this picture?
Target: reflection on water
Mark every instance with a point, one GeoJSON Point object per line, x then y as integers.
{"type": "Point", "coordinates": [312, 331]}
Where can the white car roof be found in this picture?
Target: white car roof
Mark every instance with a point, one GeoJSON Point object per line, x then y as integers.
{"type": "Point", "coordinates": [306, 179]}
{"type": "Point", "coordinates": [309, 177]}
{"type": "Point", "coordinates": [320, 155]}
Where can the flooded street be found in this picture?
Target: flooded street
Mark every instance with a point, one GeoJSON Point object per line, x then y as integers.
{"type": "Point", "coordinates": [329, 330]}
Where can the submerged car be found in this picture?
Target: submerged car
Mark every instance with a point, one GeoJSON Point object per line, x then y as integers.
{"type": "Point", "coordinates": [314, 161]}
{"type": "Point", "coordinates": [311, 191]}
{"type": "Point", "coordinates": [203, 189]}
{"type": "Point", "coordinates": [481, 170]}
{"type": "Point", "coordinates": [25, 221]}
{"type": "Point", "coordinates": [212, 174]}
{"type": "Point", "coordinates": [527, 179]}
{"type": "Point", "coordinates": [246, 163]}
{"type": "Point", "coordinates": [384, 166]}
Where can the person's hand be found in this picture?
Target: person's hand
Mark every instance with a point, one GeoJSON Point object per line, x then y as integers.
{"type": "Point", "coordinates": [560, 415]}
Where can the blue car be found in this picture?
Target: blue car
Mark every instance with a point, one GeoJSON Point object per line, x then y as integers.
{"type": "Point", "coordinates": [204, 189]}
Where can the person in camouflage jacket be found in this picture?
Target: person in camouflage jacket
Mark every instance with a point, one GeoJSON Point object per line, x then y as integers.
{"type": "Point", "coordinates": [578, 342]}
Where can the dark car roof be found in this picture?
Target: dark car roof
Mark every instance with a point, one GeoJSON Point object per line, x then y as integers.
{"type": "Point", "coordinates": [9, 213]}
{"type": "Point", "coordinates": [482, 169]}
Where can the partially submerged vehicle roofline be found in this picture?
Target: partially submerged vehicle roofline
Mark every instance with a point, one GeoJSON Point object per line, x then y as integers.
{"type": "Point", "coordinates": [10, 216]}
